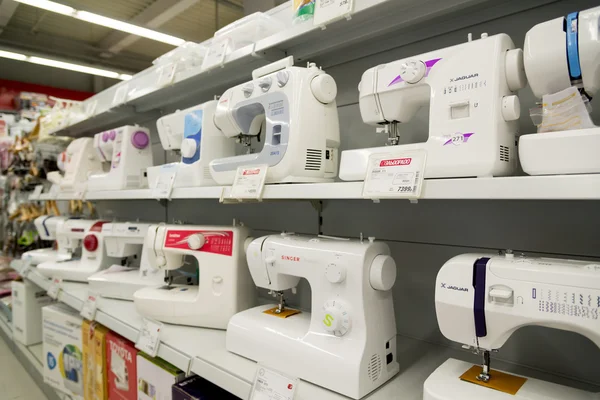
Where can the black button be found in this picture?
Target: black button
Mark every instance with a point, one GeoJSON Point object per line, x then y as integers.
{"type": "Point", "coordinates": [387, 345]}
{"type": "Point", "coordinates": [390, 358]}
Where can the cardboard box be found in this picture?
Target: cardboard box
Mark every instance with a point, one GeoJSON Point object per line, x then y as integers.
{"type": "Point", "coordinates": [121, 368]}
{"type": "Point", "coordinates": [28, 300]}
{"type": "Point", "coordinates": [198, 388]}
{"type": "Point", "coordinates": [63, 358]}
{"type": "Point", "coordinates": [94, 361]}
{"type": "Point", "coordinates": [156, 378]}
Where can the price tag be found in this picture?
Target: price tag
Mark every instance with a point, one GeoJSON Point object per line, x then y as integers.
{"type": "Point", "coordinates": [89, 307]}
{"type": "Point", "coordinates": [216, 54]}
{"type": "Point", "coordinates": [149, 338]}
{"type": "Point", "coordinates": [327, 11]}
{"type": "Point", "coordinates": [120, 95]}
{"type": "Point", "coordinates": [166, 74]}
{"type": "Point", "coordinates": [36, 192]}
{"type": "Point", "coordinates": [272, 385]}
{"type": "Point", "coordinates": [54, 191]}
{"type": "Point", "coordinates": [396, 174]}
{"type": "Point", "coordinates": [165, 181]}
{"type": "Point", "coordinates": [54, 288]}
{"type": "Point", "coordinates": [25, 267]}
{"type": "Point", "coordinates": [249, 182]}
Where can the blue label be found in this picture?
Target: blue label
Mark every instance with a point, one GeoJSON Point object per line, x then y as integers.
{"type": "Point", "coordinates": [51, 360]}
{"type": "Point", "coordinates": [193, 130]}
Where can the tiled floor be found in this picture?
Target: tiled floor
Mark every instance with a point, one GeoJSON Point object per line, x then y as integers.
{"type": "Point", "coordinates": [15, 382]}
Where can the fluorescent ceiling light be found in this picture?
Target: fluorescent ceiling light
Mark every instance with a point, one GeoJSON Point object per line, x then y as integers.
{"type": "Point", "coordinates": [104, 21]}
{"type": "Point", "coordinates": [64, 65]}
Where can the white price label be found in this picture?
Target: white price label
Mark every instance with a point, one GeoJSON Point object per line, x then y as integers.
{"type": "Point", "coordinates": [54, 288]}
{"type": "Point", "coordinates": [36, 192]}
{"type": "Point", "coordinates": [166, 74]}
{"type": "Point", "coordinates": [216, 54]}
{"type": "Point", "coordinates": [120, 95]}
{"type": "Point", "coordinates": [88, 311]}
{"type": "Point", "coordinates": [396, 174]}
{"type": "Point", "coordinates": [54, 191]}
{"type": "Point", "coordinates": [327, 11]}
{"type": "Point", "coordinates": [165, 181]}
{"type": "Point", "coordinates": [249, 182]}
{"type": "Point", "coordinates": [149, 338]}
{"type": "Point", "coordinates": [25, 267]}
{"type": "Point", "coordinates": [272, 385]}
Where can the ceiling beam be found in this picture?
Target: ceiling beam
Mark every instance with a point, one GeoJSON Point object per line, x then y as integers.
{"type": "Point", "coordinates": [7, 9]}
{"type": "Point", "coordinates": [153, 16]}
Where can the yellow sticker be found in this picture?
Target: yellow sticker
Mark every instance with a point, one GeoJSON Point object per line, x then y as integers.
{"type": "Point", "coordinates": [500, 381]}
{"type": "Point", "coordinates": [288, 312]}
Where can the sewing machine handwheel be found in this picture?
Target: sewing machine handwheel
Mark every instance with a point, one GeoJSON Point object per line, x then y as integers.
{"type": "Point", "coordinates": [382, 275]}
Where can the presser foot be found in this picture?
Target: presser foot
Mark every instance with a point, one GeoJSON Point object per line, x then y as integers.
{"type": "Point", "coordinates": [485, 376]}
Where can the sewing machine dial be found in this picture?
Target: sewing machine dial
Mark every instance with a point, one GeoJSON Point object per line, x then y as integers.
{"type": "Point", "coordinates": [336, 318]}
{"type": "Point", "coordinates": [412, 71]}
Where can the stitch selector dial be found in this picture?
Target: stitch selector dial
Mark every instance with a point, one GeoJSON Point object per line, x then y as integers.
{"type": "Point", "coordinates": [336, 318]}
{"type": "Point", "coordinates": [412, 71]}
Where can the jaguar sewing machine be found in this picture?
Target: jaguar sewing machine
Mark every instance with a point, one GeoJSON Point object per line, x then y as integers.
{"type": "Point", "coordinates": [194, 134]}
{"type": "Point", "coordinates": [481, 300]}
{"type": "Point", "coordinates": [293, 111]}
{"type": "Point", "coordinates": [93, 257]}
{"type": "Point", "coordinates": [473, 108]}
{"type": "Point", "coordinates": [125, 240]}
{"type": "Point", "coordinates": [47, 227]}
{"type": "Point", "coordinates": [347, 343]}
{"type": "Point", "coordinates": [81, 161]}
{"type": "Point", "coordinates": [128, 153]}
{"type": "Point", "coordinates": [225, 286]}
{"type": "Point", "coordinates": [556, 60]}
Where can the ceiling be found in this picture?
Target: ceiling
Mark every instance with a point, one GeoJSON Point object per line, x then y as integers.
{"type": "Point", "coordinates": [27, 28]}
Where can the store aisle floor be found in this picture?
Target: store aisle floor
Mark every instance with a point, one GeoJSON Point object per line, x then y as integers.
{"type": "Point", "coordinates": [15, 382]}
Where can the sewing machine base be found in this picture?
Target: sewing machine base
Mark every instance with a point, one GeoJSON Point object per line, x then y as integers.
{"type": "Point", "coordinates": [257, 336]}
{"type": "Point", "coordinates": [188, 175]}
{"type": "Point", "coordinates": [74, 270]}
{"type": "Point", "coordinates": [179, 305]}
{"type": "Point", "coordinates": [39, 256]}
{"type": "Point", "coordinates": [445, 384]}
{"type": "Point", "coordinates": [123, 284]}
{"type": "Point", "coordinates": [561, 153]}
{"type": "Point", "coordinates": [108, 181]}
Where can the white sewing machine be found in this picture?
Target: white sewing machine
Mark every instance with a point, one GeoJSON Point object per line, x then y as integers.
{"type": "Point", "coordinates": [482, 299]}
{"type": "Point", "coordinates": [194, 134]}
{"type": "Point", "coordinates": [126, 153]}
{"type": "Point", "coordinates": [47, 226]}
{"type": "Point", "coordinates": [125, 240]}
{"type": "Point", "coordinates": [347, 343]}
{"type": "Point", "coordinates": [81, 161]}
{"type": "Point", "coordinates": [292, 110]}
{"type": "Point", "coordinates": [93, 256]}
{"type": "Point", "coordinates": [554, 61]}
{"type": "Point", "coordinates": [473, 108]}
{"type": "Point", "coordinates": [225, 286]}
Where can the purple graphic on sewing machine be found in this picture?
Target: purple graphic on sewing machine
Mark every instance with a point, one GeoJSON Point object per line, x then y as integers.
{"type": "Point", "coordinates": [459, 138]}
{"type": "Point", "coordinates": [429, 64]}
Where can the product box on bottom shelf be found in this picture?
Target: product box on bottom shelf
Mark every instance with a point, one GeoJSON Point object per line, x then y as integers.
{"type": "Point", "coordinates": [121, 367]}
{"type": "Point", "coordinates": [94, 361]}
{"type": "Point", "coordinates": [28, 300]}
{"type": "Point", "coordinates": [63, 359]}
{"type": "Point", "coordinates": [156, 377]}
{"type": "Point", "coordinates": [198, 388]}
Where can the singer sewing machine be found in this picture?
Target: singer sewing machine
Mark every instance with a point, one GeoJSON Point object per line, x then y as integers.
{"type": "Point", "coordinates": [554, 61]}
{"type": "Point", "coordinates": [125, 240]}
{"type": "Point", "coordinates": [126, 152]}
{"type": "Point", "coordinates": [224, 285]}
{"type": "Point", "coordinates": [292, 110]}
{"type": "Point", "coordinates": [47, 227]}
{"type": "Point", "coordinates": [481, 300]}
{"type": "Point", "coordinates": [194, 134]}
{"type": "Point", "coordinates": [473, 108]}
{"type": "Point", "coordinates": [93, 256]}
{"type": "Point", "coordinates": [347, 343]}
{"type": "Point", "coordinates": [81, 161]}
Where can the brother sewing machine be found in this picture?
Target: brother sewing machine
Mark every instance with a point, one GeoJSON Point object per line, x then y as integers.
{"type": "Point", "coordinates": [556, 60]}
{"type": "Point", "coordinates": [125, 240]}
{"type": "Point", "coordinates": [481, 300]}
{"type": "Point", "coordinates": [347, 343]}
{"type": "Point", "coordinates": [194, 134]}
{"type": "Point", "coordinates": [473, 108]}
{"type": "Point", "coordinates": [81, 161]}
{"type": "Point", "coordinates": [224, 285]}
{"type": "Point", "coordinates": [93, 256]}
{"type": "Point", "coordinates": [292, 110]}
{"type": "Point", "coordinates": [126, 151]}
{"type": "Point", "coordinates": [47, 226]}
